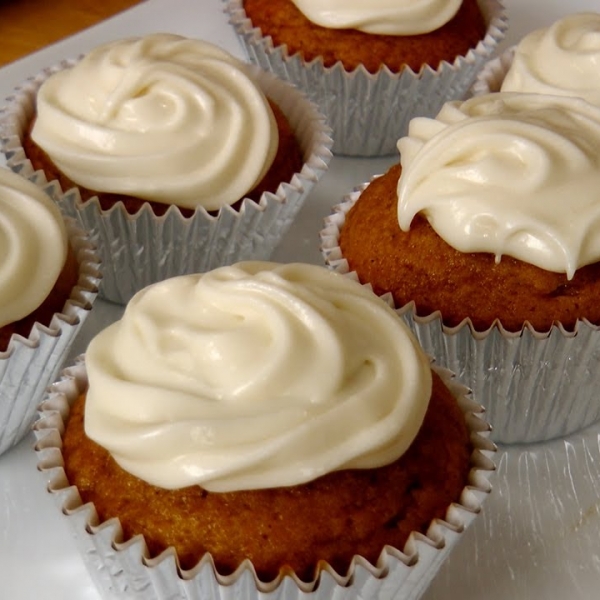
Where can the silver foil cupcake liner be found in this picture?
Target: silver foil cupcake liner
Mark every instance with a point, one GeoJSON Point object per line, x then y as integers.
{"type": "Point", "coordinates": [490, 78]}
{"type": "Point", "coordinates": [141, 249]}
{"type": "Point", "coordinates": [370, 112]}
{"type": "Point", "coordinates": [30, 364]}
{"type": "Point", "coordinates": [534, 386]}
{"type": "Point", "coordinates": [124, 570]}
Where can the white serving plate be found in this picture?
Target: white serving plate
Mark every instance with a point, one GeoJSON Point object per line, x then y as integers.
{"type": "Point", "coordinates": [539, 536]}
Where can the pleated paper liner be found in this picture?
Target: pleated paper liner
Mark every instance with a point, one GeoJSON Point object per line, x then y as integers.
{"type": "Point", "coordinates": [491, 77]}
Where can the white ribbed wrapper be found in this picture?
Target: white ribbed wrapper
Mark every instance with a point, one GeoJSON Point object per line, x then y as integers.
{"type": "Point", "coordinates": [30, 364]}
{"type": "Point", "coordinates": [124, 571]}
{"type": "Point", "coordinates": [534, 386]}
{"type": "Point", "coordinates": [137, 250]}
{"type": "Point", "coordinates": [490, 78]}
{"type": "Point", "coordinates": [370, 112]}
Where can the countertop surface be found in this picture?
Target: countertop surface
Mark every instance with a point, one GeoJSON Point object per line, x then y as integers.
{"type": "Point", "coordinates": [22, 32]}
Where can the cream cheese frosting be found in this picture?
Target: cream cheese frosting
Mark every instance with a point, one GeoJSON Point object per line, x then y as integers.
{"type": "Point", "coordinates": [508, 174]}
{"type": "Point", "coordinates": [162, 118]}
{"type": "Point", "coordinates": [381, 17]}
{"type": "Point", "coordinates": [253, 376]}
{"type": "Point", "coordinates": [563, 60]}
{"type": "Point", "coordinates": [33, 246]}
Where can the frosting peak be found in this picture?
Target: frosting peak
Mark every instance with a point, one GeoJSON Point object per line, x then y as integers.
{"type": "Point", "coordinates": [252, 376]}
{"type": "Point", "coordinates": [562, 60]}
{"type": "Point", "coordinates": [33, 246]}
{"type": "Point", "coordinates": [163, 118]}
{"type": "Point", "coordinates": [514, 174]}
{"type": "Point", "coordinates": [382, 17]}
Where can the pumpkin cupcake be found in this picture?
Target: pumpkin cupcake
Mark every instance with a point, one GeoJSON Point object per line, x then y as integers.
{"type": "Point", "coordinates": [174, 155]}
{"type": "Point", "coordinates": [560, 60]}
{"type": "Point", "coordinates": [48, 282]}
{"type": "Point", "coordinates": [265, 428]}
{"type": "Point", "coordinates": [487, 236]}
{"type": "Point", "coordinates": [371, 68]}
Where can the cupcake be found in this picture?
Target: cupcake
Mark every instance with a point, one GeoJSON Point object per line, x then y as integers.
{"type": "Point", "coordinates": [560, 60]}
{"type": "Point", "coordinates": [175, 156]}
{"type": "Point", "coordinates": [48, 282]}
{"type": "Point", "coordinates": [486, 235]}
{"type": "Point", "coordinates": [371, 69]}
{"type": "Point", "coordinates": [262, 428]}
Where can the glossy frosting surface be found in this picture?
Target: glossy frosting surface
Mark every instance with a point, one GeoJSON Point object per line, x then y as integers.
{"type": "Point", "coordinates": [563, 59]}
{"type": "Point", "coordinates": [162, 118]}
{"type": "Point", "coordinates": [383, 17]}
{"type": "Point", "coordinates": [254, 376]}
{"type": "Point", "coordinates": [33, 246]}
{"type": "Point", "coordinates": [508, 174]}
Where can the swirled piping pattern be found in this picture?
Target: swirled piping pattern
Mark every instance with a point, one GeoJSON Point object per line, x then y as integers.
{"type": "Point", "coordinates": [508, 174]}
{"type": "Point", "coordinates": [33, 246]}
{"type": "Point", "coordinates": [382, 17]}
{"type": "Point", "coordinates": [253, 376]}
{"type": "Point", "coordinates": [562, 60]}
{"type": "Point", "coordinates": [163, 118]}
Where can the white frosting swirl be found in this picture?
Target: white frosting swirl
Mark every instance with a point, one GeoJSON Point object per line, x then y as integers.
{"type": "Point", "coordinates": [161, 118]}
{"type": "Point", "coordinates": [253, 376]}
{"type": "Point", "coordinates": [382, 17]}
{"type": "Point", "coordinates": [33, 246]}
{"type": "Point", "coordinates": [514, 174]}
{"type": "Point", "coordinates": [562, 60]}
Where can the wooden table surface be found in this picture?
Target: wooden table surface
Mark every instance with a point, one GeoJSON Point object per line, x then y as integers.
{"type": "Point", "coordinates": [29, 25]}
